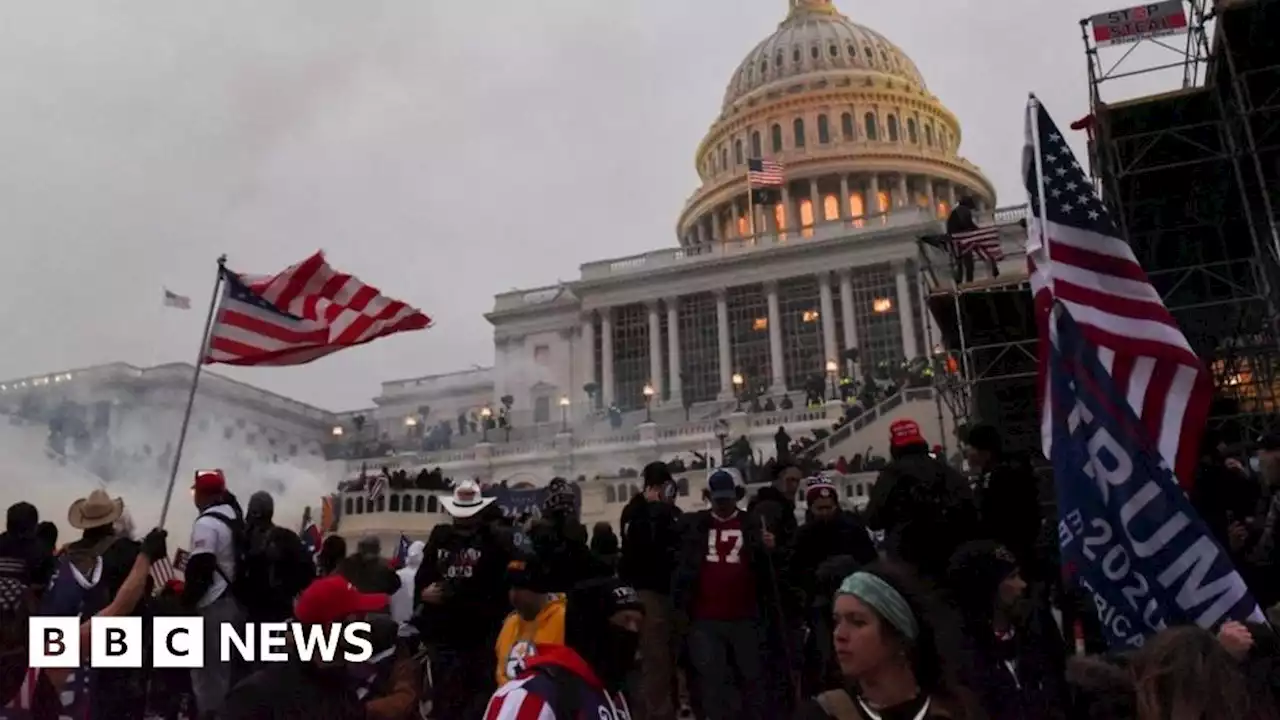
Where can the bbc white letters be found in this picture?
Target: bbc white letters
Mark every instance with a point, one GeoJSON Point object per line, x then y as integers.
{"type": "Point", "coordinates": [181, 642]}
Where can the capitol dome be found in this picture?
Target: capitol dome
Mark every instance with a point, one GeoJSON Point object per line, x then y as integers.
{"type": "Point", "coordinates": [848, 116]}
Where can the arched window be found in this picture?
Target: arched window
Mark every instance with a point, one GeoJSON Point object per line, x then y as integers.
{"type": "Point", "coordinates": [776, 137]}
{"type": "Point", "coordinates": [610, 494]}
{"type": "Point", "coordinates": [777, 61]}
{"type": "Point", "coordinates": [911, 131]}
{"type": "Point", "coordinates": [743, 227]}
{"type": "Point", "coordinates": [830, 208]}
{"type": "Point", "coordinates": [869, 126]}
{"type": "Point", "coordinates": [882, 200]}
{"type": "Point", "coordinates": [780, 216]}
{"type": "Point", "coordinates": [814, 52]}
{"type": "Point", "coordinates": [824, 131]}
{"type": "Point", "coordinates": [394, 504]}
{"type": "Point", "coordinates": [928, 134]}
{"type": "Point", "coordinates": [846, 126]}
{"type": "Point", "coordinates": [795, 54]}
{"type": "Point", "coordinates": [757, 150]}
{"type": "Point", "coordinates": [798, 129]}
{"type": "Point", "coordinates": [737, 152]}
{"type": "Point", "coordinates": [379, 504]}
{"type": "Point", "coordinates": [432, 504]}
{"type": "Point", "coordinates": [806, 213]}
{"type": "Point", "coordinates": [724, 158]}
{"type": "Point", "coordinates": [350, 506]}
{"type": "Point", "coordinates": [359, 504]}
{"type": "Point", "coordinates": [893, 128]}
{"type": "Point", "coordinates": [856, 209]}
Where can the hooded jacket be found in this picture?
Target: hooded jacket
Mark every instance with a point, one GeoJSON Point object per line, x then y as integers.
{"type": "Point", "coordinates": [649, 543]}
{"type": "Point", "coordinates": [402, 600]}
{"type": "Point", "coordinates": [472, 569]}
{"type": "Point", "coordinates": [557, 683]}
{"type": "Point", "coordinates": [519, 640]}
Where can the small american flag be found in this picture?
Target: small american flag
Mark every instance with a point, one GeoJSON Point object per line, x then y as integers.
{"type": "Point", "coordinates": [1075, 256]}
{"type": "Point", "coordinates": [764, 173]}
{"type": "Point", "coordinates": [164, 570]}
{"type": "Point", "coordinates": [174, 300]}
{"type": "Point", "coordinates": [306, 312]}
{"type": "Point", "coordinates": [983, 242]}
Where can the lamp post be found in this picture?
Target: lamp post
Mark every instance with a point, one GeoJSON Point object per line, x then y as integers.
{"type": "Point", "coordinates": [564, 413]}
{"type": "Point", "coordinates": [722, 434]}
{"type": "Point", "coordinates": [337, 431]}
{"type": "Point", "coordinates": [738, 381]}
{"type": "Point", "coordinates": [648, 399]}
{"type": "Point", "coordinates": [832, 369]}
{"type": "Point", "coordinates": [485, 414]}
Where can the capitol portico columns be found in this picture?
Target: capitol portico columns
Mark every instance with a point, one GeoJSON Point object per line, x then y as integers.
{"type": "Point", "coordinates": [606, 354]}
{"type": "Point", "coordinates": [655, 346]}
{"type": "Point", "coordinates": [846, 212]}
{"type": "Point", "coordinates": [905, 314]}
{"type": "Point", "coordinates": [816, 214]}
{"type": "Point", "coordinates": [846, 318]}
{"type": "Point", "coordinates": [778, 383]}
{"type": "Point", "coordinates": [872, 201]}
{"type": "Point", "coordinates": [827, 313]}
{"type": "Point", "coordinates": [676, 392]}
{"type": "Point", "coordinates": [904, 193]}
{"type": "Point", "coordinates": [722, 333]}
{"type": "Point", "coordinates": [589, 350]}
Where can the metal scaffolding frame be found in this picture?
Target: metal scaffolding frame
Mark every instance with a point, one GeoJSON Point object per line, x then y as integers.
{"type": "Point", "coordinates": [1183, 174]}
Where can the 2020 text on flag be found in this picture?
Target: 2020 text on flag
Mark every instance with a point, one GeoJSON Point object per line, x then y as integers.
{"type": "Point", "coordinates": [306, 312]}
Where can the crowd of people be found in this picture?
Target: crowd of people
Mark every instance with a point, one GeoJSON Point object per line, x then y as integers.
{"type": "Point", "coordinates": [943, 598]}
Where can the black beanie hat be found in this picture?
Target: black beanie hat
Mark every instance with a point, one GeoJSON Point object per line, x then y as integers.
{"type": "Point", "coordinates": [976, 569]}
{"type": "Point", "coordinates": [528, 572]}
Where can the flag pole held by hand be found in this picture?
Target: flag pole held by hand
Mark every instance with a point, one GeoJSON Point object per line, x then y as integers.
{"type": "Point", "coordinates": [195, 382]}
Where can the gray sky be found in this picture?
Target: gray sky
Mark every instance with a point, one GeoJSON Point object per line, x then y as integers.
{"type": "Point", "coordinates": [443, 151]}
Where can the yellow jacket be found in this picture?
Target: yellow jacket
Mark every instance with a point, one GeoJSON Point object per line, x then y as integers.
{"type": "Point", "coordinates": [518, 637]}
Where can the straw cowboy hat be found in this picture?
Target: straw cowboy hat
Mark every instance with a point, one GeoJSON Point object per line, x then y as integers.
{"type": "Point", "coordinates": [95, 511]}
{"type": "Point", "coordinates": [466, 500]}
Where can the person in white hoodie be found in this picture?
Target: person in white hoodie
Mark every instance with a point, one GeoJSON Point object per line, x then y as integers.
{"type": "Point", "coordinates": [402, 600]}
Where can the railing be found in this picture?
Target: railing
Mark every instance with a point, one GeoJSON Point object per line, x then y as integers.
{"type": "Point", "coordinates": [870, 416]}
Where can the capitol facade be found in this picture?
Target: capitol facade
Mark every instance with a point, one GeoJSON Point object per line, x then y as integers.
{"type": "Point", "coordinates": [650, 356]}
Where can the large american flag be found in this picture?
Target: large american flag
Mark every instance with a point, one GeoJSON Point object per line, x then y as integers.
{"type": "Point", "coordinates": [764, 173]}
{"type": "Point", "coordinates": [983, 242]}
{"type": "Point", "coordinates": [1075, 256]}
{"type": "Point", "coordinates": [301, 314]}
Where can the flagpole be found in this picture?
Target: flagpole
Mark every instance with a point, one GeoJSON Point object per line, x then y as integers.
{"type": "Point", "coordinates": [195, 382]}
{"type": "Point", "coordinates": [751, 207]}
{"type": "Point", "coordinates": [1033, 113]}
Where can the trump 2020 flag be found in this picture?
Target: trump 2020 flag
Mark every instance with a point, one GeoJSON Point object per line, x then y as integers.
{"type": "Point", "coordinates": [1140, 550]}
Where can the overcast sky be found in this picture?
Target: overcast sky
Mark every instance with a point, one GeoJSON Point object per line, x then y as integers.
{"type": "Point", "coordinates": [441, 150]}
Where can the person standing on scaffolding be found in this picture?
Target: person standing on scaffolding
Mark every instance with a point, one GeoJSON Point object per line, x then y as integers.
{"type": "Point", "coordinates": [968, 240]}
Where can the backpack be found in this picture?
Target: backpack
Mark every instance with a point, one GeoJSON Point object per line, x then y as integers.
{"type": "Point", "coordinates": [243, 586]}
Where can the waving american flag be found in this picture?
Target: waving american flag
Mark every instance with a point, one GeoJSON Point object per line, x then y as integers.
{"type": "Point", "coordinates": [1076, 257]}
{"type": "Point", "coordinates": [306, 312]}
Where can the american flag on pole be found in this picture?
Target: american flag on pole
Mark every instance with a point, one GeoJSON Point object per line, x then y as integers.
{"type": "Point", "coordinates": [174, 300]}
{"type": "Point", "coordinates": [764, 173]}
{"type": "Point", "coordinates": [1075, 256]}
{"type": "Point", "coordinates": [983, 242]}
{"type": "Point", "coordinates": [306, 312]}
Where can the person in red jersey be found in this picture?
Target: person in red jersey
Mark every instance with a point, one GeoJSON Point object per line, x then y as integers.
{"type": "Point", "coordinates": [727, 582]}
{"type": "Point", "coordinates": [584, 677]}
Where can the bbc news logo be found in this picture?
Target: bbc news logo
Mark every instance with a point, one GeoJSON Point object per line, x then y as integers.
{"type": "Point", "coordinates": [180, 642]}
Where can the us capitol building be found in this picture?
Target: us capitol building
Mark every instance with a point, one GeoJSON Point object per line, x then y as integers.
{"type": "Point", "coordinates": [752, 300]}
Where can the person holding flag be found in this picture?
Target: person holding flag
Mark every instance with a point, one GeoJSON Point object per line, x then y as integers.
{"type": "Point", "coordinates": [1123, 406]}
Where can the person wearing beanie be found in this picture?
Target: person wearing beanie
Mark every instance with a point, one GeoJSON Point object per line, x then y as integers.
{"type": "Point", "coordinates": [650, 539]}
{"type": "Point", "coordinates": [560, 539]}
{"type": "Point", "coordinates": [584, 677]}
{"type": "Point", "coordinates": [538, 618]}
{"type": "Point", "coordinates": [777, 501]}
{"type": "Point", "coordinates": [730, 582]}
{"type": "Point", "coordinates": [1015, 659]}
{"type": "Point", "coordinates": [924, 506]}
{"type": "Point", "coordinates": [1007, 496]}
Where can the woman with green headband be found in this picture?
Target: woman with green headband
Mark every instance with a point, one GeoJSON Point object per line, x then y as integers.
{"type": "Point", "coordinates": [888, 654]}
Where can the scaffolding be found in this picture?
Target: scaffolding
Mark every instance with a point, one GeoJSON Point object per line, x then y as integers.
{"type": "Point", "coordinates": [1190, 175]}
{"type": "Point", "coordinates": [982, 334]}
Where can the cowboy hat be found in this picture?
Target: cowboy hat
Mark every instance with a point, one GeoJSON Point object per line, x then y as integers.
{"type": "Point", "coordinates": [466, 500]}
{"type": "Point", "coordinates": [95, 511]}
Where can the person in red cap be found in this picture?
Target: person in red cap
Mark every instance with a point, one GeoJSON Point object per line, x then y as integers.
{"type": "Point", "coordinates": [924, 506]}
{"type": "Point", "coordinates": [315, 688]}
{"type": "Point", "coordinates": [210, 572]}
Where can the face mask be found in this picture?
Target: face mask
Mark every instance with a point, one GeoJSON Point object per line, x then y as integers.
{"type": "Point", "coordinates": [618, 648]}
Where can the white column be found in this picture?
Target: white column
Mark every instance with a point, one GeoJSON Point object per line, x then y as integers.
{"type": "Point", "coordinates": [827, 310]}
{"type": "Point", "coordinates": [673, 346]}
{"type": "Point", "coordinates": [726, 358]}
{"type": "Point", "coordinates": [588, 352]}
{"type": "Point", "coordinates": [655, 350]}
{"type": "Point", "coordinates": [606, 355]}
{"type": "Point", "coordinates": [905, 314]}
{"type": "Point", "coordinates": [951, 196]}
{"type": "Point", "coordinates": [932, 196]}
{"type": "Point", "coordinates": [788, 212]}
{"type": "Point", "coordinates": [815, 202]}
{"type": "Point", "coordinates": [847, 319]}
{"type": "Point", "coordinates": [904, 193]}
{"type": "Point", "coordinates": [716, 230]}
{"type": "Point", "coordinates": [846, 212]}
{"type": "Point", "coordinates": [872, 200]}
{"type": "Point", "coordinates": [778, 381]}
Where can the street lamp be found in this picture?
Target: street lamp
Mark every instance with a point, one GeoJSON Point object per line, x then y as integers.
{"type": "Point", "coordinates": [738, 381]}
{"type": "Point", "coordinates": [411, 421]}
{"type": "Point", "coordinates": [832, 369]}
{"type": "Point", "coordinates": [485, 414]}
{"type": "Point", "coordinates": [337, 431]}
{"type": "Point", "coordinates": [648, 398]}
{"type": "Point", "coordinates": [564, 413]}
